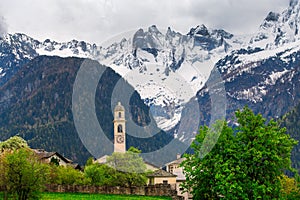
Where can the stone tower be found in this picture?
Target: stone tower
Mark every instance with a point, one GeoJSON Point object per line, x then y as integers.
{"type": "Point", "coordinates": [119, 129]}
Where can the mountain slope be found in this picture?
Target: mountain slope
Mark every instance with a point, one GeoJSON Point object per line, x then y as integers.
{"type": "Point", "coordinates": [279, 29]}
{"type": "Point", "coordinates": [264, 75]}
{"type": "Point", "coordinates": [292, 123]}
{"type": "Point", "coordinates": [36, 104]}
{"type": "Point", "coordinates": [167, 69]}
{"type": "Point", "coordinates": [17, 49]}
{"type": "Point", "coordinates": [267, 77]}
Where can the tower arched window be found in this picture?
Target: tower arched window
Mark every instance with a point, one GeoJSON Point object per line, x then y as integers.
{"type": "Point", "coordinates": [120, 114]}
{"type": "Point", "coordinates": [120, 128]}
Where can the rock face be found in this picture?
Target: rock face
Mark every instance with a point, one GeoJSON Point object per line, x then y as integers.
{"type": "Point", "coordinates": [167, 69]}
{"type": "Point", "coordinates": [37, 105]}
{"type": "Point", "coordinates": [264, 74]}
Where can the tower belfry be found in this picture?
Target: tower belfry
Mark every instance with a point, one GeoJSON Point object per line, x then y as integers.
{"type": "Point", "coordinates": [119, 129]}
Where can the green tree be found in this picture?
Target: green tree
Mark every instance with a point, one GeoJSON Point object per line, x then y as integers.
{"type": "Point", "coordinates": [246, 162]}
{"type": "Point", "coordinates": [130, 167]}
{"type": "Point", "coordinates": [289, 189]}
{"type": "Point", "coordinates": [13, 143]}
{"type": "Point", "coordinates": [100, 174]}
{"type": "Point", "coordinates": [54, 161]}
{"type": "Point", "coordinates": [24, 175]}
{"type": "Point", "coordinates": [89, 161]}
{"type": "Point", "coordinates": [66, 175]}
{"type": "Point", "coordinates": [134, 150]}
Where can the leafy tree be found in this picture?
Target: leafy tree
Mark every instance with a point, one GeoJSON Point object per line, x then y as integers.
{"type": "Point", "coordinates": [89, 161]}
{"type": "Point", "coordinates": [130, 167]}
{"type": "Point", "coordinates": [13, 143]}
{"type": "Point", "coordinates": [66, 175]}
{"type": "Point", "coordinates": [134, 150]}
{"type": "Point", "coordinates": [100, 174]}
{"type": "Point", "coordinates": [127, 162]}
{"type": "Point", "coordinates": [54, 161]}
{"type": "Point", "coordinates": [122, 169]}
{"type": "Point", "coordinates": [289, 189]}
{"type": "Point", "coordinates": [246, 162]}
{"type": "Point", "coordinates": [23, 174]}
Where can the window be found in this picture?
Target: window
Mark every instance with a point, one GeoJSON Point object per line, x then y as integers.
{"type": "Point", "coordinates": [120, 114]}
{"type": "Point", "coordinates": [165, 181]}
{"type": "Point", "coordinates": [151, 182]}
{"type": "Point", "coordinates": [120, 128]}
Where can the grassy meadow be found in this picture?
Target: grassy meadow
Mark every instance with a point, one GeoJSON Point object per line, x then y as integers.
{"type": "Point", "coordinates": [83, 196]}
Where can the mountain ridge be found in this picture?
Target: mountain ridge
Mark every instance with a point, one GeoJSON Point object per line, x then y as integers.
{"type": "Point", "coordinates": [170, 70]}
{"type": "Point", "coordinates": [37, 107]}
{"type": "Point", "coordinates": [161, 61]}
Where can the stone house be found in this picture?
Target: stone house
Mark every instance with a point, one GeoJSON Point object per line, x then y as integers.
{"type": "Point", "coordinates": [174, 167]}
{"type": "Point", "coordinates": [49, 157]}
{"type": "Point", "coordinates": [161, 176]}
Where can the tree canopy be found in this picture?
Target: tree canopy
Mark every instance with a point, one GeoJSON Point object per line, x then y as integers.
{"type": "Point", "coordinates": [121, 169]}
{"type": "Point", "coordinates": [22, 174]}
{"type": "Point", "coordinates": [130, 161]}
{"type": "Point", "coordinates": [247, 162]}
{"type": "Point", "coordinates": [13, 143]}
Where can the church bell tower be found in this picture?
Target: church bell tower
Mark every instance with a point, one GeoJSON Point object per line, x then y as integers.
{"type": "Point", "coordinates": [119, 129]}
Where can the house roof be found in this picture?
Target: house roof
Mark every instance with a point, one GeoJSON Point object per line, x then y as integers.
{"type": "Point", "coordinates": [161, 173]}
{"type": "Point", "coordinates": [42, 154]}
{"type": "Point", "coordinates": [177, 161]}
{"type": "Point", "coordinates": [102, 160]}
{"type": "Point", "coordinates": [152, 165]}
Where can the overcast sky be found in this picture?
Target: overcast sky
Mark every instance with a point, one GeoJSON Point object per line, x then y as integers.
{"type": "Point", "coordinates": [98, 20]}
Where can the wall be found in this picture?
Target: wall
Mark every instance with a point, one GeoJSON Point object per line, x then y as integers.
{"type": "Point", "coordinates": [160, 180]}
{"type": "Point", "coordinates": [150, 190]}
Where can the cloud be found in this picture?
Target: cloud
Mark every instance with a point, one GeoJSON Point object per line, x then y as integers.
{"type": "Point", "coordinates": [98, 20]}
{"type": "Point", "coordinates": [3, 26]}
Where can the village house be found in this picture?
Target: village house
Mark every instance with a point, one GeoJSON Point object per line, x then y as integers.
{"type": "Point", "coordinates": [174, 167]}
{"type": "Point", "coordinates": [54, 157]}
{"type": "Point", "coordinates": [161, 177]}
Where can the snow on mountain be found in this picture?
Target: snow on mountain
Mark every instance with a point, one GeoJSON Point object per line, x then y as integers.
{"type": "Point", "coordinates": [278, 29]}
{"type": "Point", "coordinates": [263, 73]}
{"type": "Point", "coordinates": [17, 49]}
{"type": "Point", "coordinates": [166, 68]}
{"type": "Point", "coordinates": [268, 57]}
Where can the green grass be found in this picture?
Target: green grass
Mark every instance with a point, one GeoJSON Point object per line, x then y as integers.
{"type": "Point", "coordinates": [83, 196]}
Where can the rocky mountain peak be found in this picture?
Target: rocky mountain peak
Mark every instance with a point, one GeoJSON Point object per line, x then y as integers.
{"type": "Point", "coordinates": [294, 3]}
{"type": "Point", "coordinates": [272, 17]}
{"type": "Point", "coordinates": [279, 29]}
{"type": "Point", "coordinates": [153, 30]}
{"type": "Point", "coordinates": [199, 30]}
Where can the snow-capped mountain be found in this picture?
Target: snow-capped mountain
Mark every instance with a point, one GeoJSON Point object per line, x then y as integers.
{"type": "Point", "coordinates": [17, 49]}
{"type": "Point", "coordinates": [279, 29]}
{"type": "Point", "coordinates": [166, 68]}
{"type": "Point", "coordinates": [277, 40]}
{"type": "Point", "coordinates": [169, 68]}
{"type": "Point", "coordinates": [265, 73]}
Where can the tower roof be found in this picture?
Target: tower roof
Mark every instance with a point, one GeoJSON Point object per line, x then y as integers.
{"type": "Point", "coordinates": [119, 107]}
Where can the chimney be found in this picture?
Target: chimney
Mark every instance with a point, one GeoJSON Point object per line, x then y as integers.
{"type": "Point", "coordinates": [178, 156]}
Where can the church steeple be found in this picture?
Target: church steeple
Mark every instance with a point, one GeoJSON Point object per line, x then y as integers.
{"type": "Point", "coordinates": [119, 129]}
